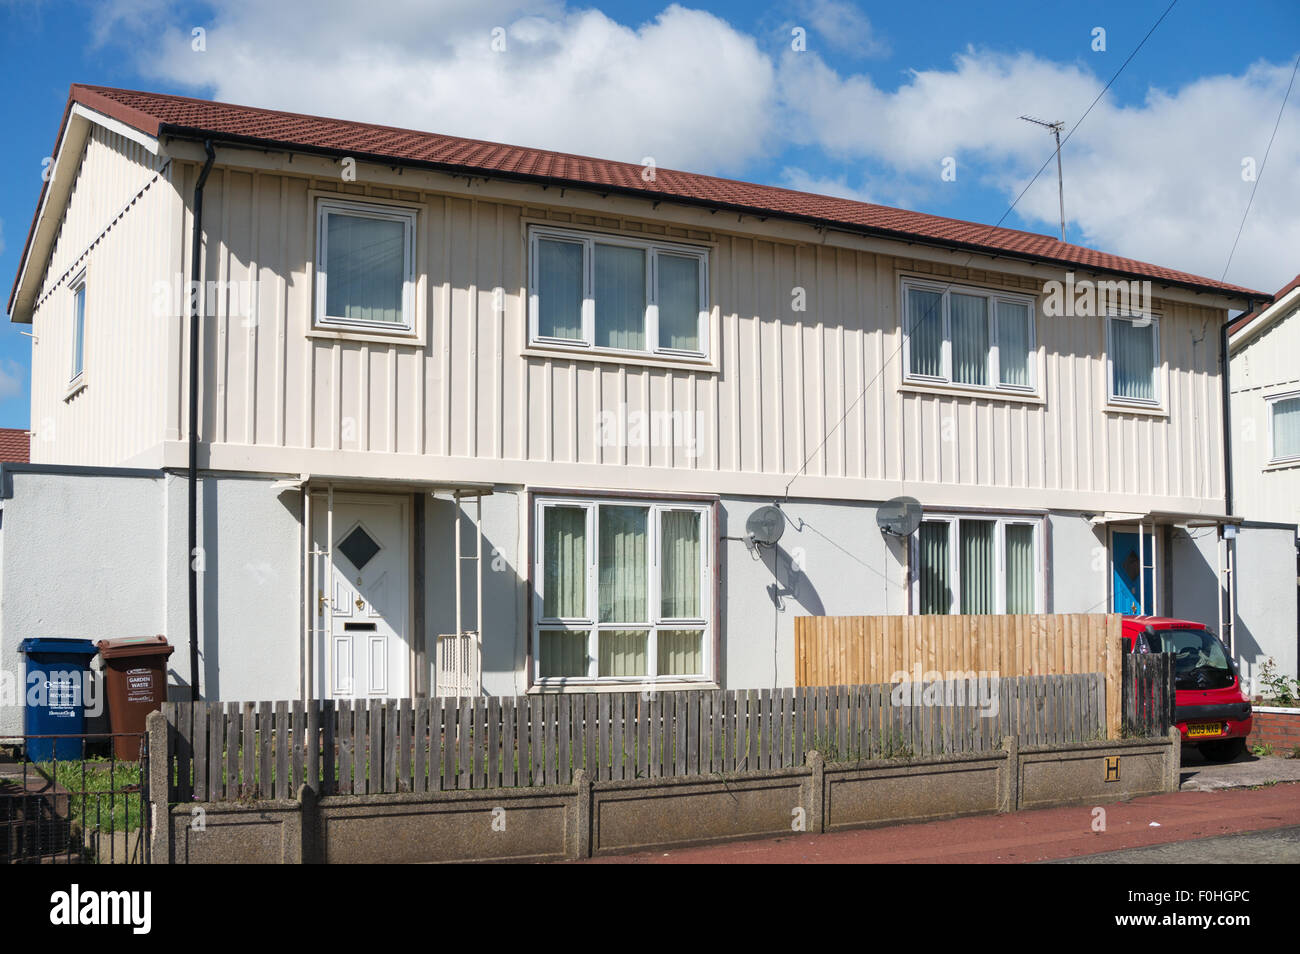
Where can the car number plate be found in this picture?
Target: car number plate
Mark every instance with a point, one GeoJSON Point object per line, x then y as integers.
{"type": "Point", "coordinates": [1204, 729]}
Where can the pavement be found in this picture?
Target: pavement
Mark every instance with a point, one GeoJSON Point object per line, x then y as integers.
{"type": "Point", "coordinates": [1275, 846]}
{"type": "Point", "coordinates": [1199, 775]}
{"type": "Point", "coordinates": [1204, 821]}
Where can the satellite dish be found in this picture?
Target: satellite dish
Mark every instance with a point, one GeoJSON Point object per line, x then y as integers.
{"type": "Point", "coordinates": [899, 517]}
{"type": "Point", "coordinates": [765, 526]}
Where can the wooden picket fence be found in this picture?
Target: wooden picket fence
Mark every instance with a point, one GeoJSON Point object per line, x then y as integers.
{"type": "Point", "coordinates": [228, 751]}
{"type": "Point", "coordinates": [1148, 693]}
{"type": "Point", "coordinates": [832, 650]}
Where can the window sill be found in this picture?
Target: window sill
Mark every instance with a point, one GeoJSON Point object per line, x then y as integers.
{"type": "Point", "coordinates": [76, 387]}
{"type": "Point", "coordinates": [1142, 410]}
{"type": "Point", "coordinates": [1290, 464]}
{"type": "Point", "coordinates": [409, 339]}
{"type": "Point", "coordinates": [539, 350]}
{"type": "Point", "coordinates": [981, 394]}
{"type": "Point", "coordinates": [540, 689]}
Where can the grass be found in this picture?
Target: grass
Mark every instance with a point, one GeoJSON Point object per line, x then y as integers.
{"type": "Point", "coordinates": [104, 794]}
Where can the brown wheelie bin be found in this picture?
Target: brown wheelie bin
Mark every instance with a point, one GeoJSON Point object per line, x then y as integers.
{"type": "Point", "coordinates": [135, 674]}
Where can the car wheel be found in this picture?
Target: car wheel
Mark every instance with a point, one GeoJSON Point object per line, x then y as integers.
{"type": "Point", "coordinates": [1224, 750]}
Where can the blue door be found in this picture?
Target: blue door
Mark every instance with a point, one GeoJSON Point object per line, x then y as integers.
{"type": "Point", "coordinates": [1126, 564]}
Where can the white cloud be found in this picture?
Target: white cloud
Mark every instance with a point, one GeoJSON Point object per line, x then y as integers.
{"type": "Point", "coordinates": [685, 88]}
{"type": "Point", "coordinates": [843, 27]}
{"type": "Point", "coordinates": [12, 378]}
{"type": "Point", "coordinates": [1158, 180]}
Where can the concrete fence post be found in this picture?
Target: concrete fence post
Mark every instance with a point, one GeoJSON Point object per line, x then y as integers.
{"type": "Point", "coordinates": [816, 806]}
{"type": "Point", "coordinates": [160, 822]}
{"type": "Point", "coordinates": [307, 845]}
{"type": "Point", "coordinates": [1174, 760]}
{"type": "Point", "coordinates": [580, 838]}
{"type": "Point", "coordinates": [1010, 800]}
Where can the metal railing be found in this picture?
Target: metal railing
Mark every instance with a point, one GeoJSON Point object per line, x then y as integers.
{"type": "Point", "coordinates": [81, 808]}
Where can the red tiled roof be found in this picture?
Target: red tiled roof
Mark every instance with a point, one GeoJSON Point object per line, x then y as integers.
{"type": "Point", "coordinates": [1250, 316]}
{"type": "Point", "coordinates": [15, 445]}
{"type": "Point", "coordinates": [157, 114]}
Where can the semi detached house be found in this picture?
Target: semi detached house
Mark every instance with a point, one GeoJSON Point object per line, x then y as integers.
{"type": "Point", "coordinates": [478, 418]}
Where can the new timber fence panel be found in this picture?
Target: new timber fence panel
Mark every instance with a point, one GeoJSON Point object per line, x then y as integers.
{"type": "Point", "coordinates": [874, 650]}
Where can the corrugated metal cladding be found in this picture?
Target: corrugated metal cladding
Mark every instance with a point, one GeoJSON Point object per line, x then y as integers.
{"type": "Point", "coordinates": [116, 230]}
{"type": "Point", "coordinates": [472, 394]}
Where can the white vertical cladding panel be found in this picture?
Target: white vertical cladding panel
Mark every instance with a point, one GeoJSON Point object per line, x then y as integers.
{"type": "Point", "coordinates": [1264, 366]}
{"type": "Point", "coordinates": [115, 228]}
{"type": "Point", "coordinates": [821, 385]}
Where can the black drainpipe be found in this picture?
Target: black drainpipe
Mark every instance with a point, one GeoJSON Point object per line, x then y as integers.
{"type": "Point", "coordinates": [1225, 390]}
{"type": "Point", "coordinates": [196, 287]}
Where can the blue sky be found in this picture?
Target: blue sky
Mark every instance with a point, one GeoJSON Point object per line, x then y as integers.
{"type": "Point", "coordinates": [871, 106]}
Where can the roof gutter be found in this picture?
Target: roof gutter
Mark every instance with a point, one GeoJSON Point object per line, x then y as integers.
{"type": "Point", "coordinates": [252, 142]}
{"type": "Point", "coordinates": [196, 264]}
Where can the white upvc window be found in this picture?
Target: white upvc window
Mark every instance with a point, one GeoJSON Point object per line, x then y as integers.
{"type": "Point", "coordinates": [365, 266]}
{"type": "Point", "coordinates": [612, 293]}
{"type": "Point", "coordinates": [622, 592]}
{"type": "Point", "coordinates": [1283, 427]}
{"type": "Point", "coordinates": [977, 565]}
{"type": "Point", "coordinates": [969, 337]}
{"type": "Point", "coordinates": [1133, 359]}
{"type": "Point", "coordinates": [78, 336]}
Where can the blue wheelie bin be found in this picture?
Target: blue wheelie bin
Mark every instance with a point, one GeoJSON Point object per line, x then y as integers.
{"type": "Point", "coordinates": [58, 671]}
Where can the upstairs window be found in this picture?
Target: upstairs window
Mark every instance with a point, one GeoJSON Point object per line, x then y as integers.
{"type": "Point", "coordinates": [365, 266]}
{"type": "Point", "coordinates": [78, 328]}
{"type": "Point", "coordinates": [968, 337]}
{"type": "Point", "coordinates": [1284, 428]}
{"type": "Point", "coordinates": [1134, 358]}
{"type": "Point", "coordinates": [611, 293]}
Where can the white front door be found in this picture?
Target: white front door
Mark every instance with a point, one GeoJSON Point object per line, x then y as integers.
{"type": "Point", "coordinates": [366, 652]}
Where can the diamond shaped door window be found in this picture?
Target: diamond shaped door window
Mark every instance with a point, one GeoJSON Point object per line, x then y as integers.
{"type": "Point", "coordinates": [359, 547]}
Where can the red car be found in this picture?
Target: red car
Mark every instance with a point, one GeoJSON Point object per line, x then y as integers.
{"type": "Point", "coordinates": [1210, 709]}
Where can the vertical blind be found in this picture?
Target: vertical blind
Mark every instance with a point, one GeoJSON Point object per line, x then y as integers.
{"type": "Point", "coordinates": [623, 652]}
{"type": "Point", "coordinates": [978, 567]}
{"type": "Point", "coordinates": [564, 589]}
{"type": "Point", "coordinates": [563, 653]}
{"type": "Point", "coordinates": [365, 268]}
{"type": "Point", "coordinates": [1286, 428]}
{"type": "Point", "coordinates": [680, 565]}
{"type": "Point", "coordinates": [1133, 359]}
{"type": "Point", "coordinates": [681, 652]}
{"type": "Point", "coordinates": [1013, 343]}
{"type": "Point", "coordinates": [925, 332]}
{"type": "Point", "coordinates": [936, 591]}
{"type": "Point", "coordinates": [678, 288]}
{"type": "Point", "coordinates": [1021, 575]}
{"type": "Point", "coordinates": [559, 289]}
{"type": "Point", "coordinates": [623, 565]}
{"type": "Point", "coordinates": [970, 339]}
{"type": "Point", "coordinates": [620, 297]}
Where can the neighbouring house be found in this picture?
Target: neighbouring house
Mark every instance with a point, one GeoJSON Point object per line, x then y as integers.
{"type": "Point", "coordinates": [483, 418]}
{"type": "Point", "coordinates": [15, 445]}
{"type": "Point", "coordinates": [1265, 378]}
